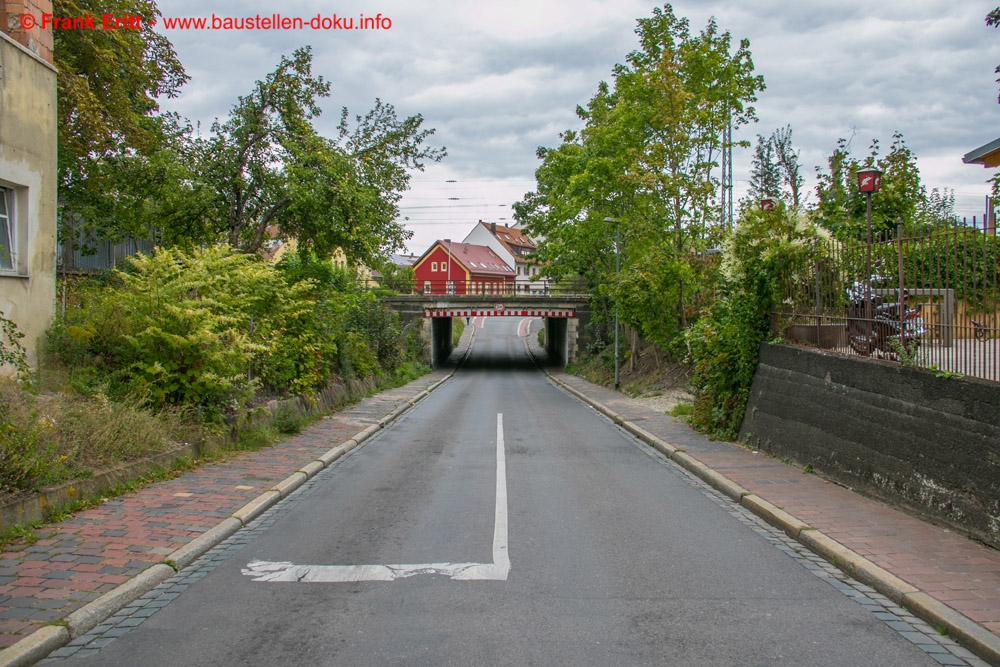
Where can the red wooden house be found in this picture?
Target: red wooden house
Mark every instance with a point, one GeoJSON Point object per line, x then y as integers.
{"type": "Point", "coordinates": [462, 268]}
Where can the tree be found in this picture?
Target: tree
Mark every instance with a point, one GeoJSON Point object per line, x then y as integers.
{"type": "Point", "coordinates": [269, 167]}
{"type": "Point", "coordinates": [244, 158]}
{"type": "Point", "coordinates": [110, 135]}
{"type": "Point", "coordinates": [842, 209]}
{"type": "Point", "coordinates": [765, 175]}
{"type": "Point", "coordinates": [774, 172]}
{"type": "Point", "coordinates": [645, 157]}
{"type": "Point", "coordinates": [993, 19]}
{"type": "Point", "coordinates": [788, 161]}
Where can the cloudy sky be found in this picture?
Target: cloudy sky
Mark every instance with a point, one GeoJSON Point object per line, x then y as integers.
{"type": "Point", "coordinates": [498, 79]}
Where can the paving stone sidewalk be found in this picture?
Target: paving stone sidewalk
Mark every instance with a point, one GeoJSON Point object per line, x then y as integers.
{"type": "Point", "coordinates": [963, 574]}
{"type": "Point", "coordinates": [80, 559]}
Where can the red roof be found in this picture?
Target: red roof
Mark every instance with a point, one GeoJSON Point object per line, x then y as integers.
{"type": "Point", "coordinates": [509, 236]}
{"type": "Point", "coordinates": [477, 258]}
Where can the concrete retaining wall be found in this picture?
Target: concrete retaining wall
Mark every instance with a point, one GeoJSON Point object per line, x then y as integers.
{"type": "Point", "coordinates": [904, 435]}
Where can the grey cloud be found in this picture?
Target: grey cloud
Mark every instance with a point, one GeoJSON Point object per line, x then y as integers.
{"type": "Point", "coordinates": [496, 88]}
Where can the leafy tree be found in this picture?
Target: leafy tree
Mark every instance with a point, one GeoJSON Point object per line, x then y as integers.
{"type": "Point", "coordinates": [993, 19]}
{"type": "Point", "coordinates": [938, 208]}
{"type": "Point", "coordinates": [645, 157]}
{"type": "Point", "coordinates": [679, 91]}
{"type": "Point", "coordinates": [775, 171]}
{"type": "Point", "coordinates": [788, 161]}
{"type": "Point", "coordinates": [765, 175]}
{"type": "Point", "coordinates": [396, 279]}
{"type": "Point", "coordinates": [268, 166]}
{"type": "Point", "coordinates": [111, 140]}
{"type": "Point", "coordinates": [842, 209]}
{"type": "Point", "coordinates": [243, 159]}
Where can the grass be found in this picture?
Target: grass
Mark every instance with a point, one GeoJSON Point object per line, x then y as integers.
{"type": "Point", "coordinates": [682, 411]}
{"type": "Point", "coordinates": [57, 434]}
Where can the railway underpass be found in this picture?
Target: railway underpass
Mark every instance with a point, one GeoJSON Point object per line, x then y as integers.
{"type": "Point", "coordinates": [565, 319]}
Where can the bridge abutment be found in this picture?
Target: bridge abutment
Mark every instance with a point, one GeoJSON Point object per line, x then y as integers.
{"type": "Point", "coordinates": [565, 327]}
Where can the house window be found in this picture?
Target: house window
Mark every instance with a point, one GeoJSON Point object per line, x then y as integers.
{"type": "Point", "coordinates": [427, 287]}
{"type": "Point", "coordinates": [8, 231]}
{"type": "Point", "coordinates": [451, 287]}
{"type": "Point", "coordinates": [434, 266]}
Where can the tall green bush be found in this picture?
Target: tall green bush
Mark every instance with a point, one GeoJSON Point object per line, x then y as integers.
{"type": "Point", "coordinates": [758, 256]}
{"type": "Point", "coordinates": [208, 328]}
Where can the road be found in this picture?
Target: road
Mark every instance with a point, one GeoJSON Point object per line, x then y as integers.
{"type": "Point", "coordinates": [503, 522]}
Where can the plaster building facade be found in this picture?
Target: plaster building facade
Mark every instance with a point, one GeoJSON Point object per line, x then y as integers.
{"type": "Point", "coordinates": [28, 172]}
{"type": "Point", "coordinates": [515, 248]}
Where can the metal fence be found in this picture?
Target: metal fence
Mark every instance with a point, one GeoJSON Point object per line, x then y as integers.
{"type": "Point", "coordinates": [480, 287]}
{"type": "Point", "coordinates": [927, 300]}
{"type": "Point", "coordinates": [100, 255]}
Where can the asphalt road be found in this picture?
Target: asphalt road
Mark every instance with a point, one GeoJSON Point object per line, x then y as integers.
{"type": "Point", "coordinates": [503, 522]}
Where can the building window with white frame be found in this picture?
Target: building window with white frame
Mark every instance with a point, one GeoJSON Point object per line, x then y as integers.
{"type": "Point", "coordinates": [8, 231]}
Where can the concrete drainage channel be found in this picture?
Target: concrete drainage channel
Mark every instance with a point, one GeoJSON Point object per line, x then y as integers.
{"type": "Point", "coordinates": [39, 644]}
{"type": "Point", "coordinates": [974, 637]}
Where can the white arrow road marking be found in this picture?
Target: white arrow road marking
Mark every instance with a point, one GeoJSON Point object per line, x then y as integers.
{"type": "Point", "coordinates": [262, 570]}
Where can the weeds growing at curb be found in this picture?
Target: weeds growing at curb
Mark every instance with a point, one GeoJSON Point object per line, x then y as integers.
{"type": "Point", "coordinates": [682, 411]}
{"type": "Point", "coordinates": [27, 533]}
{"type": "Point", "coordinates": [287, 419]}
{"type": "Point", "coordinates": [19, 533]}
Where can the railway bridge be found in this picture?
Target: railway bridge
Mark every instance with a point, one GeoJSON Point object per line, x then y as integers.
{"type": "Point", "coordinates": [565, 316]}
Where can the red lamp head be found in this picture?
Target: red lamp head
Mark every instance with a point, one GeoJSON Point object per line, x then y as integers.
{"type": "Point", "coordinates": [767, 204]}
{"type": "Point", "coordinates": [869, 179]}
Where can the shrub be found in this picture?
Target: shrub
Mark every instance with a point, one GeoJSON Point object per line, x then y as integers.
{"type": "Point", "coordinates": [763, 250]}
{"type": "Point", "coordinates": [23, 465]}
{"type": "Point", "coordinates": [11, 351]}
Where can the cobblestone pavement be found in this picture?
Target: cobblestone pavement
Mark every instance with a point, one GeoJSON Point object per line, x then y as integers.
{"type": "Point", "coordinates": [78, 560]}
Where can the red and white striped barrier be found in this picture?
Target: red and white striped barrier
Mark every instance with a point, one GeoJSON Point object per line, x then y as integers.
{"type": "Point", "coordinates": [497, 313]}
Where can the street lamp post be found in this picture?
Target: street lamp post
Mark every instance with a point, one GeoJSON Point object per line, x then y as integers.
{"type": "Point", "coordinates": [617, 271]}
{"type": "Point", "coordinates": [869, 181]}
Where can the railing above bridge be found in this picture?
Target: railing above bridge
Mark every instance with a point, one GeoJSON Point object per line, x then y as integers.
{"type": "Point", "coordinates": [479, 289]}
